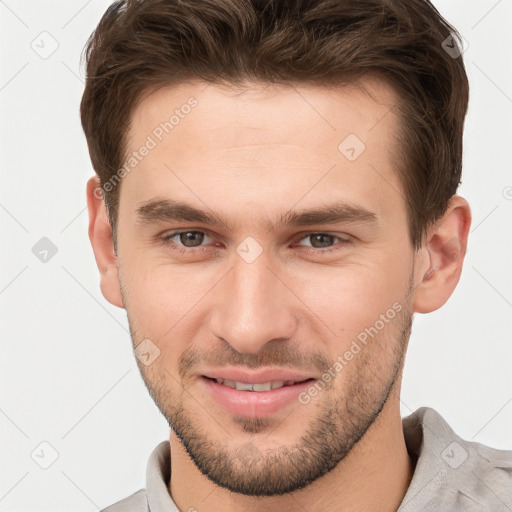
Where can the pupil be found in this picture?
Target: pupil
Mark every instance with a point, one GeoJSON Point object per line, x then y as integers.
{"type": "Point", "coordinates": [325, 238]}
{"type": "Point", "coordinates": [191, 236]}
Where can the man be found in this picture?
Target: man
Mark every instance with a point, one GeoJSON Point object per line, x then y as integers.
{"type": "Point", "coordinates": [275, 199]}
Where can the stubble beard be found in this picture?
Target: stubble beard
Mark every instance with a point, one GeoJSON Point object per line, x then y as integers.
{"type": "Point", "coordinates": [340, 420]}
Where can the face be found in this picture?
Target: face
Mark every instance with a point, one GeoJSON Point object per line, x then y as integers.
{"type": "Point", "coordinates": [267, 273]}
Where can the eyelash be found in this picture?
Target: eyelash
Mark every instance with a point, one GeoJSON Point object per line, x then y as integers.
{"type": "Point", "coordinates": [166, 241]}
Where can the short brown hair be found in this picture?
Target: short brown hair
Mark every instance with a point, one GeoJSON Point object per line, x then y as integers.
{"type": "Point", "coordinates": [140, 45]}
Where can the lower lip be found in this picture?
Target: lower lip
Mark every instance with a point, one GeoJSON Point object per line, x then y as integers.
{"type": "Point", "coordinates": [254, 404]}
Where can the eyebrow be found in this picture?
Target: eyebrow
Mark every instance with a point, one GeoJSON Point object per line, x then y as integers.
{"type": "Point", "coordinates": [158, 210]}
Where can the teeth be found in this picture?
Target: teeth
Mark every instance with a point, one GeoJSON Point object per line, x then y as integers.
{"type": "Point", "coordinates": [264, 386]}
{"type": "Point", "coordinates": [241, 386]}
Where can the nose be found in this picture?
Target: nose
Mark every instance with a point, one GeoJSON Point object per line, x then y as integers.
{"type": "Point", "coordinates": [254, 306]}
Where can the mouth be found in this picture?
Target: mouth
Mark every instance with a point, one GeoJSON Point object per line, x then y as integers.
{"type": "Point", "coordinates": [258, 387]}
{"type": "Point", "coordinates": [255, 394]}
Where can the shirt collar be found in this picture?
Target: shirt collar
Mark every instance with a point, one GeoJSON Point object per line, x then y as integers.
{"type": "Point", "coordinates": [158, 474]}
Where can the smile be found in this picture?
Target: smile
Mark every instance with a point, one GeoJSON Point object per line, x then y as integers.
{"type": "Point", "coordinates": [263, 386]}
{"type": "Point", "coordinates": [265, 396]}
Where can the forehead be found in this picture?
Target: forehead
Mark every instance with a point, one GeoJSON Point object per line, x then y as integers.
{"type": "Point", "coordinates": [265, 144]}
{"type": "Point", "coordinates": [267, 108]}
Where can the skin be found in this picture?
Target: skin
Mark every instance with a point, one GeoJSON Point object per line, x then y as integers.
{"type": "Point", "coordinates": [250, 156]}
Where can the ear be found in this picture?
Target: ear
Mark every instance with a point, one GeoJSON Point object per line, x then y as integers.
{"type": "Point", "coordinates": [100, 235]}
{"type": "Point", "coordinates": [445, 248]}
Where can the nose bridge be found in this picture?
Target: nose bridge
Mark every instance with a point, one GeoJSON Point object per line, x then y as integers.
{"type": "Point", "coordinates": [256, 307]}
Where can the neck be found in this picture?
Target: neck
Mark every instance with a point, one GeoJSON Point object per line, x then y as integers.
{"type": "Point", "coordinates": [375, 475]}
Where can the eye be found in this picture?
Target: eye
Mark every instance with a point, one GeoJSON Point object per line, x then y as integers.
{"type": "Point", "coordinates": [189, 242]}
{"type": "Point", "coordinates": [324, 241]}
{"type": "Point", "coordinates": [184, 241]}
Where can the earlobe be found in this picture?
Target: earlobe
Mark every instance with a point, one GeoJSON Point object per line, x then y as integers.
{"type": "Point", "coordinates": [446, 245]}
{"type": "Point", "coordinates": [100, 235]}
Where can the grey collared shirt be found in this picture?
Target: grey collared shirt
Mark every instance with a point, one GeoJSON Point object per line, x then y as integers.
{"type": "Point", "coordinates": [451, 475]}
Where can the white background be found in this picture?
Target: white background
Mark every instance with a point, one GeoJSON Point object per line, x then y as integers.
{"type": "Point", "coordinates": [68, 375]}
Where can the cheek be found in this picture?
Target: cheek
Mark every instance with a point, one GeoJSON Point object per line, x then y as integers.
{"type": "Point", "coordinates": [350, 300]}
{"type": "Point", "coordinates": [162, 298]}
{"type": "Point", "coordinates": [166, 301]}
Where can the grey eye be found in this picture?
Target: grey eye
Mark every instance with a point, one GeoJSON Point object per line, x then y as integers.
{"type": "Point", "coordinates": [191, 238]}
{"type": "Point", "coordinates": [320, 240]}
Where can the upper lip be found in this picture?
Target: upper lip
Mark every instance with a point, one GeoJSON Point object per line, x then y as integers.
{"type": "Point", "coordinates": [249, 376]}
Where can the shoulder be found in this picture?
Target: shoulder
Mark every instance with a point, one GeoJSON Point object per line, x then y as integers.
{"type": "Point", "coordinates": [482, 472]}
{"type": "Point", "coordinates": [137, 502]}
{"type": "Point", "coordinates": [479, 456]}
{"type": "Point", "coordinates": [456, 474]}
